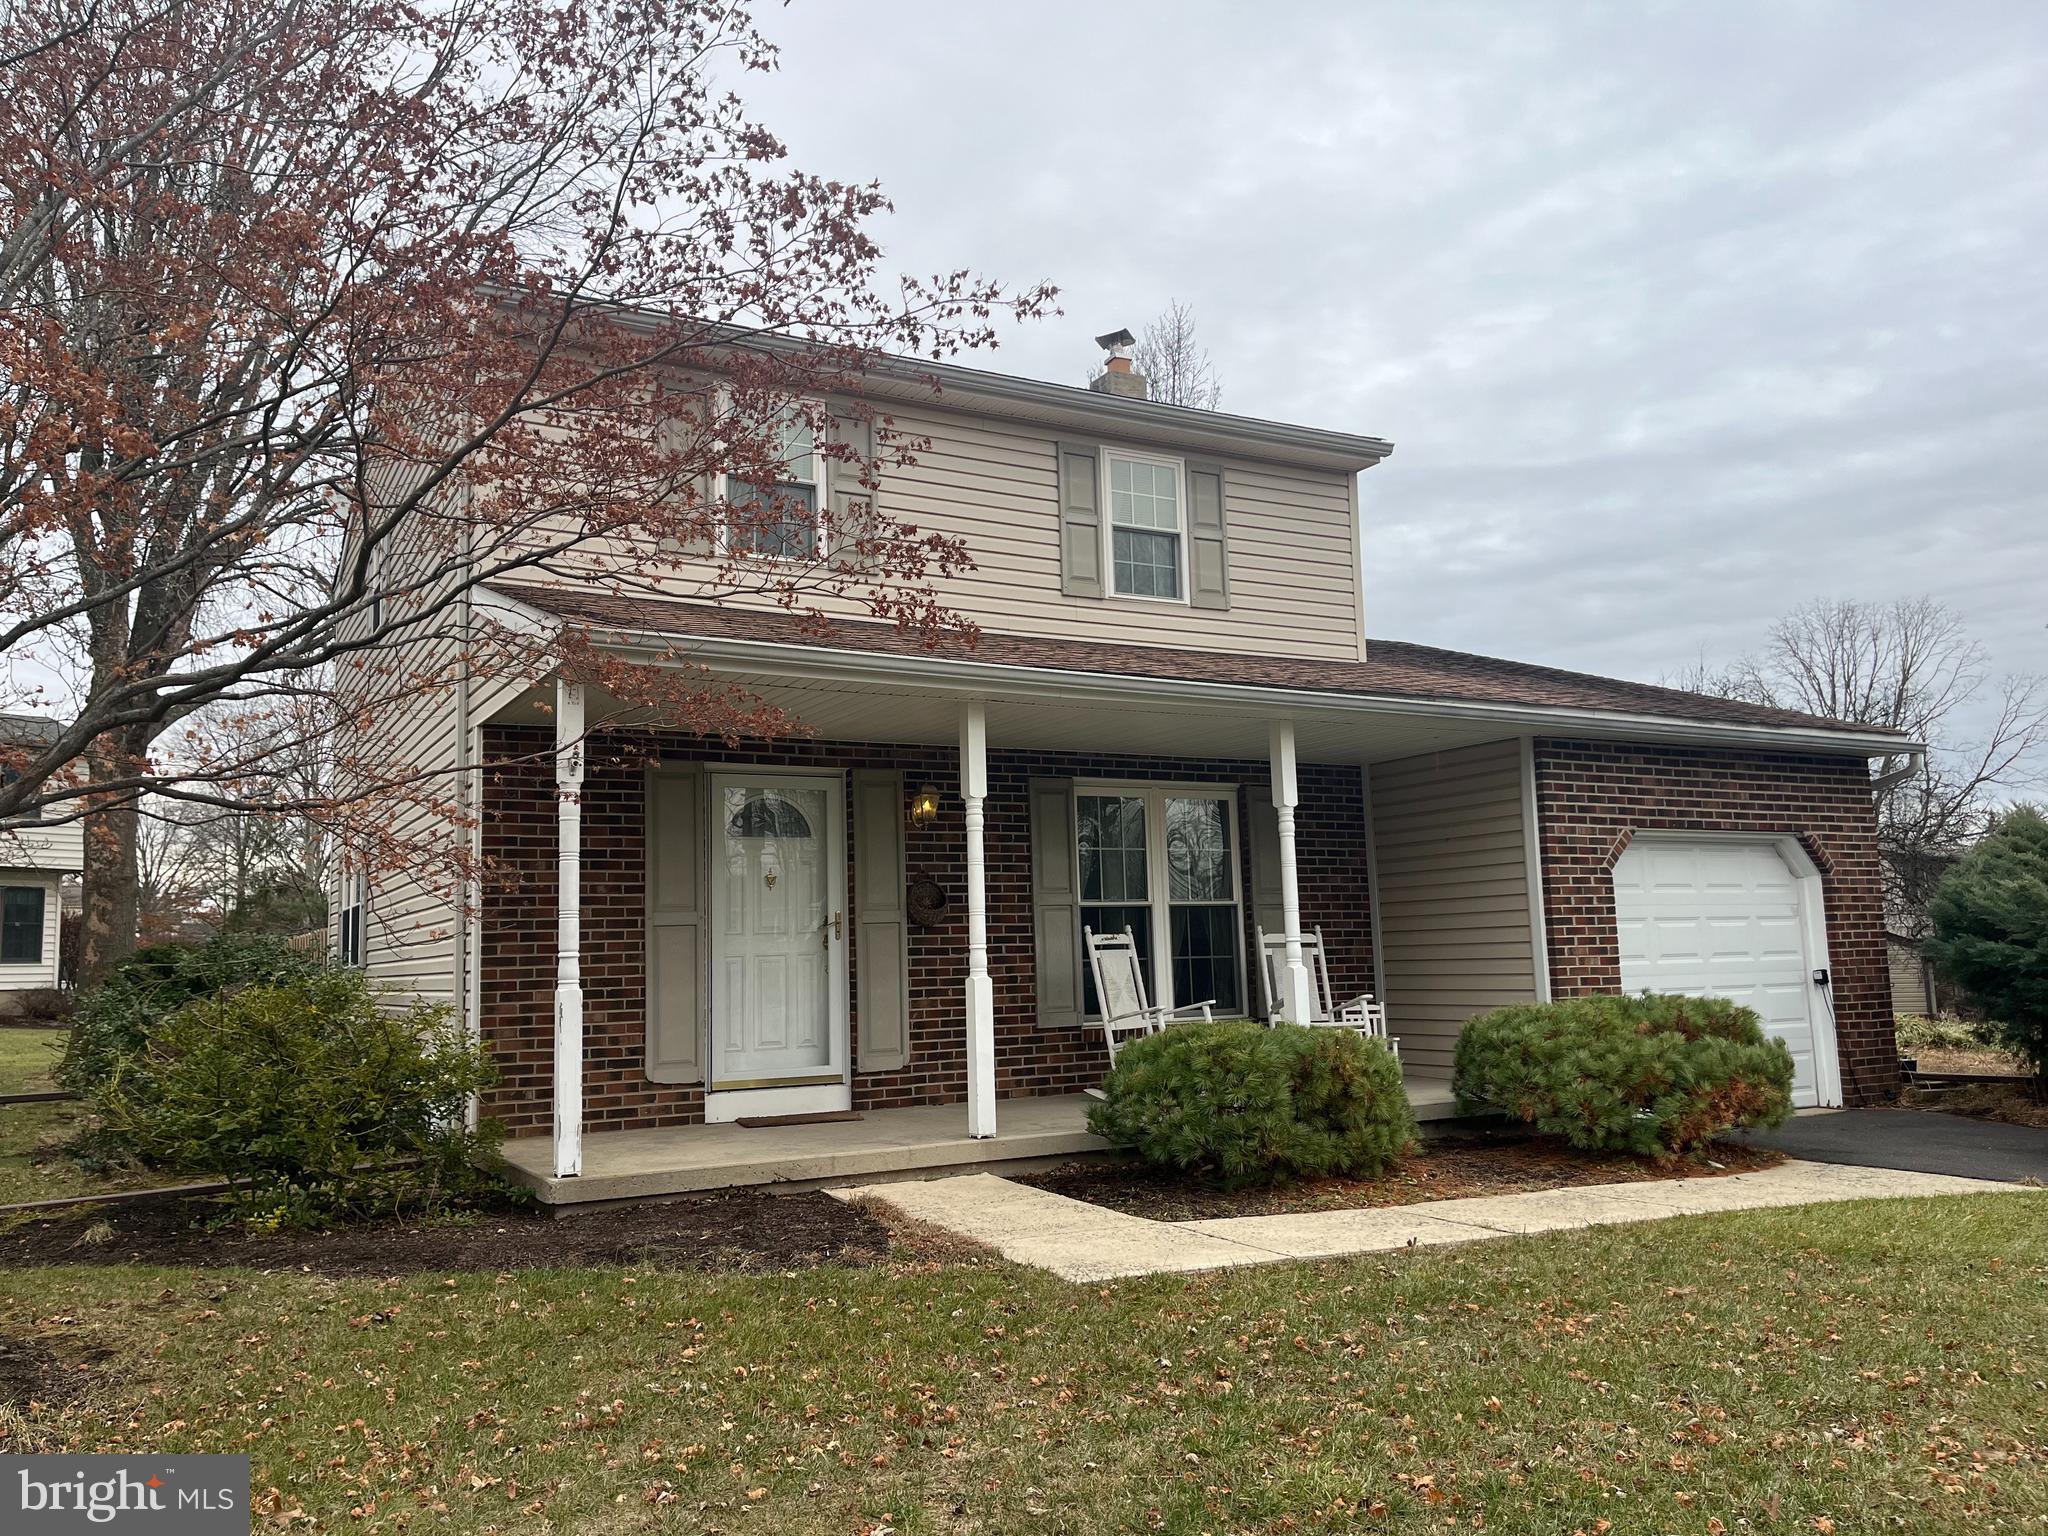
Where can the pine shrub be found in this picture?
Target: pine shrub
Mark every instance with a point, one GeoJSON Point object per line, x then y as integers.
{"type": "Point", "coordinates": [1238, 1103]}
{"type": "Point", "coordinates": [113, 1021]}
{"type": "Point", "coordinates": [324, 1104]}
{"type": "Point", "coordinates": [1655, 1075]}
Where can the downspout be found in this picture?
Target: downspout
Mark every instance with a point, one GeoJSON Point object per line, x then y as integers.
{"type": "Point", "coordinates": [468, 889]}
{"type": "Point", "coordinates": [1916, 758]}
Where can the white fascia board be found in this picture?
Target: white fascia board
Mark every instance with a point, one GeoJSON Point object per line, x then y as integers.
{"type": "Point", "coordinates": [951, 675]}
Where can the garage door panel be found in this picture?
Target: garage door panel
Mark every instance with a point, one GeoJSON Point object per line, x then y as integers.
{"type": "Point", "coordinates": [1721, 919]}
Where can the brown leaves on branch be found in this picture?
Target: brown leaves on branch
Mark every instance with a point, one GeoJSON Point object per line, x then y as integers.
{"type": "Point", "coordinates": [316, 317]}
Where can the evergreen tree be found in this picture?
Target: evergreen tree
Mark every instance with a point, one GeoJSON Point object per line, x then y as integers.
{"type": "Point", "coordinates": [1990, 917]}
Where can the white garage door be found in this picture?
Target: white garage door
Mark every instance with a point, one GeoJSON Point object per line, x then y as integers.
{"type": "Point", "coordinates": [1723, 919]}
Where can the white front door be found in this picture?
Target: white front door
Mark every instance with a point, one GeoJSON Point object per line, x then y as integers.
{"type": "Point", "coordinates": [778, 946]}
{"type": "Point", "coordinates": [1728, 919]}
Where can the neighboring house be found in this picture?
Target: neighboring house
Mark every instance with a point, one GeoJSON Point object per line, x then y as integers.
{"type": "Point", "coordinates": [1914, 986]}
{"type": "Point", "coordinates": [35, 861]}
{"type": "Point", "coordinates": [1173, 721]}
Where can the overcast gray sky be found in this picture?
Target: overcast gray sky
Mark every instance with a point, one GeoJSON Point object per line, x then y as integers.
{"type": "Point", "coordinates": [1677, 315]}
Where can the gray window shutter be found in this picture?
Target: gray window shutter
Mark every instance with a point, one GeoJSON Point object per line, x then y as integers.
{"type": "Point", "coordinates": [675, 924]}
{"type": "Point", "coordinates": [1080, 471]}
{"type": "Point", "coordinates": [1208, 538]}
{"type": "Point", "coordinates": [686, 421]}
{"type": "Point", "coordinates": [881, 922]}
{"type": "Point", "coordinates": [852, 503]}
{"type": "Point", "coordinates": [1055, 903]}
{"type": "Point", "coordinates": [1263, 822]}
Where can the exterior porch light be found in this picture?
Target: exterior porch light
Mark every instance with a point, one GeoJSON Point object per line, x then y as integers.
{"type": "Point", "coordinates": [924, 806]}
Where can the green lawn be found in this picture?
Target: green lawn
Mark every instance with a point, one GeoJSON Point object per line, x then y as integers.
{"type": "Point", "coordinates": [1878, 1366]}
{"type": "Point", "coordinates": [26, 1057]}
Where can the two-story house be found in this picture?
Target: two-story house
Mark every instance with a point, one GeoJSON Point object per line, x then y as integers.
{"type": "Point", "coordinates": [1173, 721]}
{"type": "Point", "coordinates": [35, 860]}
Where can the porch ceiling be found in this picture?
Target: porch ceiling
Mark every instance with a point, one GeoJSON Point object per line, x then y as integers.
{"type": "Point", "coordinates": [875, 711]}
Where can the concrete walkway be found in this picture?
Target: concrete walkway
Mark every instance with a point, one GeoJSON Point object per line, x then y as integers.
{"type": "Point", "coordinates": [1078, 1241]}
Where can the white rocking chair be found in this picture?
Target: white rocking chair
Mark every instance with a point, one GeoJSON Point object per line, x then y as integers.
{"type": "Point", "coordinates": [1361, 1013]}
{"type": "Point", "coordinates": [1120, 986]}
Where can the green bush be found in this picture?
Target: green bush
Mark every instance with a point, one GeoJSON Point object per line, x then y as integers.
{"type": "Point", "coordinates": [1658, 1076]}
{"type": "Point", "coordinates": [1944, 1032]}
{"type": "Point", "coordinates": [1242, 1104]}
{"type": "Point", "coordinates": [1990, 916]}
{"type": "Point", "coordinates": [115, 1019]}
{"type": "Point", "coordinates": [330, 1106]}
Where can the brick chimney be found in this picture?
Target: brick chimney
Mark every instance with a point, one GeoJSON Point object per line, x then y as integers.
{"type": "Point", "coordinates": [1118, 377]}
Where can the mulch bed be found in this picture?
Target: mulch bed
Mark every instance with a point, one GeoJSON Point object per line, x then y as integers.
{"type": "Point", "coordinates": [744, 1230]}
{"type": "Point", "coordinates": [1447, 1168]}
{"type": "Point", "coordinates": [2020, 1102]}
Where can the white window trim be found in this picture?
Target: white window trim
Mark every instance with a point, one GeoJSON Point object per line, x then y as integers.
{"type": "Point", "coordinates": [1155, 793]}
{"type": "Point", "coordinates": [44, 891]}
{"type": "Point", "coordinates": [820, 490]}
{"type": "Point", "coordinates": [354, 897]}
{"type": "Point", "coordinates": [1180, 532]}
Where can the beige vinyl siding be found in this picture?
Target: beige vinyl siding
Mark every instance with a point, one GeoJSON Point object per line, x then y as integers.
{"type": "Point", "coordinates": [1294, 578]}
{"type": "Point", "coordinates": [58, 846]}
{"type": "Point", "coordinates": [1450, 854]}
{"type": "Point", "coordinates": [410, 942]}
{"type": "Point", "coordinates": [1909, 979]}
{"type": "Point", "coordinates": [43, 971]}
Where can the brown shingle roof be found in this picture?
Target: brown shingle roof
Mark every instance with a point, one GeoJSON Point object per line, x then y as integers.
{"type": "Point", "coordinates": [1393, 669]}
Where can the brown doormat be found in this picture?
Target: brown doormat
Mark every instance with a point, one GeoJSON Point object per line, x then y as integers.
{"type": "Point", "coordinates": [823, 1117]}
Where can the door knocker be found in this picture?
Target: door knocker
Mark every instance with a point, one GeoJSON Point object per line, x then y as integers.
{"type": "Point", "coordinates": [770, 878]}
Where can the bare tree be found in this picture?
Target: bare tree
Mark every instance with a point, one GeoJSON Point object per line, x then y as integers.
{"type": "Point", "coordinates": [317, 315]}
{"type": "Point", "coordinates": [1178, 369]}
{"type": "Point", "coordinates": [1912, 666]}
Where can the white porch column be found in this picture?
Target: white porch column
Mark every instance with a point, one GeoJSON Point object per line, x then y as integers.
{"type": "Point", "coordinates": [981, 996]}
{"type": "Point", "coordinates": [569, 929]}
{"type": "Point", "coordinates": [1296, 992]}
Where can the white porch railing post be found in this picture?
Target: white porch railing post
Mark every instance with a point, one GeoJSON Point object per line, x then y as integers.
{"type": "Point", "coordinates": [569, 930]}
{"type": "Point", "coordinates": [981, 997]}
{"type": "Point", "coordinates": [1296, 991]}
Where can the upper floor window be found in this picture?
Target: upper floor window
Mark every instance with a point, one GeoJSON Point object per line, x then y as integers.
{"type": "Point", "coordinates": [34, 812]}
{"type": "Point", "coordinates": [779, 519]}
{"type": "Point", "coordinates": [21, 924]}
{"type": "Point", "coordinates": [355, 899]}
{"type": "Point", "coordinates": [1147, 534]}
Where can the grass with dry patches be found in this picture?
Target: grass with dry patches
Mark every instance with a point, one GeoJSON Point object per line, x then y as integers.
{"type": "Point", "coordinates": [1870, 1366]}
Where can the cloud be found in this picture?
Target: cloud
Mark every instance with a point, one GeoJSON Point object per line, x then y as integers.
{"type": "Point", "coordinates": [1677, 317]}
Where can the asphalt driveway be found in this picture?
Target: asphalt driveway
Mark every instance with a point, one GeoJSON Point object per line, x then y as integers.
{"type": "Point", "coordinates": [1920, 1140]}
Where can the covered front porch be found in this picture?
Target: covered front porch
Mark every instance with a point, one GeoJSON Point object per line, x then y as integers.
{"type": "Point", "coordinates": [922, 1141]}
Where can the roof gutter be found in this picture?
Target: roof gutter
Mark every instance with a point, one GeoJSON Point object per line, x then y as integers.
{"type": "Point", "coordinates": [951, 675]}
{"type": "Point", "coordinates": [1088, 410]}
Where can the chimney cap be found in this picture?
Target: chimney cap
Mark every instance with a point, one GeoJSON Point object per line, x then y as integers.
{"type": "Point", "coordinates": [1113, 342]}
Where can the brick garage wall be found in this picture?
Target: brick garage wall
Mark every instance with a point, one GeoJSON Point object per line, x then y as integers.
{"type": "Point", "coordinates": [1592, 796]}
{"type": "Point", "coordinates": [518, 943]}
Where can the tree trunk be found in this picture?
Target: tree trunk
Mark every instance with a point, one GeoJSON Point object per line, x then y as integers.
{"type": "Point", "coordinates": [113, 884]}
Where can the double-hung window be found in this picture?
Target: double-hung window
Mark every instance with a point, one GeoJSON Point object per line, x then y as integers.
{"type": "Point", "coordinates": [21, 924]}
{"type": "Point", "coordinates": [1162, 861]}
{"type": "Point", "coordinates": [779, 518]}
{"type": "Point", "coordinates": [355, 901]}
{"type": "Point", "coordinates": [1147, 532]}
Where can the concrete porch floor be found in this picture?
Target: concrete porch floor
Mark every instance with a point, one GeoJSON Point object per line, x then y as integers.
{"type": "Point", "coordinates": [922, 1142]}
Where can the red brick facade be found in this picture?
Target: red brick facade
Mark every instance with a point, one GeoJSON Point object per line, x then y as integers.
{"type": "Point", "coordinates": [1591, 796]}
{"type": "Point", "coordinates": [518, 947]}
